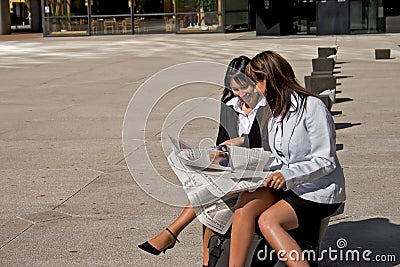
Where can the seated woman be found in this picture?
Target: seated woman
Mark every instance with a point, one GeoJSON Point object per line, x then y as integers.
{"type": "Point", "coordinates": [240, 115]}
{"type": "Point", "coordinates": [310, 184]}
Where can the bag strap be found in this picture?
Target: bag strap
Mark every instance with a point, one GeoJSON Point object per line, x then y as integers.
{"type": "Point", "coordinates": [216, 251]}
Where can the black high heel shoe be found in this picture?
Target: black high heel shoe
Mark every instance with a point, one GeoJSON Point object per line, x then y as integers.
{"type": "Point", "coordinates": [146, 246]}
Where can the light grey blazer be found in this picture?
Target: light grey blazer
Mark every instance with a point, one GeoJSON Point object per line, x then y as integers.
{"type": "Point", "coordinates": [309, 162]}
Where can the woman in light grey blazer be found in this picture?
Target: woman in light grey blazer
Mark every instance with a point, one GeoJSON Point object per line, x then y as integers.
{"type": "Point", "coordinates": [309, 184]}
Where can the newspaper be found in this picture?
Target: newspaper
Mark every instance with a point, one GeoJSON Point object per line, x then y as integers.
{"type": "Point", "coordinates": [330, 93]}
{"type": "Point", "coordinates": [212, 188]}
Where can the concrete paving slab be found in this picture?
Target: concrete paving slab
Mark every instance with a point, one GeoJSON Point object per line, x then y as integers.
{"type": "Point", "coordinates": [98, 199]}
{"type": "Point", "coordinates": [47, 154]}
{"type": "Point", "coordinates": [150, 170]}
{"type": "Point", "coordinates": [91, 242]}
{"type": "Point", "coordinates": [366, 187]}
{"type": "Point", "coordinates": [61, 129]}
{"type": "Point", "coordinates": [39, 190]}
{"type": "Point", "coordinates": [39, 217]}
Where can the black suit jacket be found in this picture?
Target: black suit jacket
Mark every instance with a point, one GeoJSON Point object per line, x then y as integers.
{"type": "Point", "coordinates": [229, 127]}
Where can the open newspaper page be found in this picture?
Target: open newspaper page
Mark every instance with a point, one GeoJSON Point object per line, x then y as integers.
{"type": "Point", "coordinates": [212, 190]}
{"type": "Point", "coordinates": [205, 158]}
{"type": "Point", "coordinates": [210, 209]}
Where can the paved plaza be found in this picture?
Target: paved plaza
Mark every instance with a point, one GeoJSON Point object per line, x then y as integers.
{"type": "Point", "coordinates": [67, 197]}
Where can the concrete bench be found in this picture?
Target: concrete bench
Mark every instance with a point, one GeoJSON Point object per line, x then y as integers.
{"type": "Point", "coordinates": [319, 83]}
{"type": "Point", "coordinates": [334, 57]}
{"type": "Point", "coordinates": [382, 53]}
{"type": "Point", "coordinates": [322, 66]}
{"type": "Point", "coordinates": [324, 52]}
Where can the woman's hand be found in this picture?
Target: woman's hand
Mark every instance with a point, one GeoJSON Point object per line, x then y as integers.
{"type": "Point", "coordinates": [238, 141]}
{"type": "Point", "coordinates": [275, 180]}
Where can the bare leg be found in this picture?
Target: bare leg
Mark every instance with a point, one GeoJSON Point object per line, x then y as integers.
{"type": "Point", "coordinates": [165, 239]}
{"type": "Point", "coordinates": [274, 224]}
{"type": "Point", "coordinates": [207, 234]}
{"type": "Point", "coordinates": [250, 205]}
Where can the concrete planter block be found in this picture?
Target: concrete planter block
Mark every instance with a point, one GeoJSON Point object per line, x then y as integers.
{"type": "Point", "coordinates": [319, 83]}
{"type": "Point", "coordinates": [324, 65]}
{"type": "Point", "coordinates": [326, 51]}
{"type": "Point", "coordinates": [382, 53]}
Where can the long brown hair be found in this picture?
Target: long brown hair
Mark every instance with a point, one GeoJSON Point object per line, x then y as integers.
{"type": "Point", "coordinates": [280, 82]}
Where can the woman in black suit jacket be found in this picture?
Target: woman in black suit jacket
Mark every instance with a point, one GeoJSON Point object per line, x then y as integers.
{"type": "Point", "coordinates": [240, 109]}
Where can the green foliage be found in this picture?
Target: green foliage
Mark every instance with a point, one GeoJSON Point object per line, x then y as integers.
{"type": "Point", "coordinates": [208, 5]}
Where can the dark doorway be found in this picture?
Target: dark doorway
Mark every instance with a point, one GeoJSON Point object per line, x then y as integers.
{"type": "Point", "coordinates": [283, 17]}
{"type": "Point", "coordinates": [304, 17]}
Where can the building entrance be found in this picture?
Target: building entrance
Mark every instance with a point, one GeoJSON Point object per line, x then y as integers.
{"type": "Point", "coordinates": [285, 17]}
{"type": "Point", "coordinates": [304, 16]}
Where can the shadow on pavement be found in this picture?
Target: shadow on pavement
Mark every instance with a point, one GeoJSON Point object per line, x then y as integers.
{"type": "Point", "coordinates": [344, 125]}
{"type": "Point", "coordinates": [339, 147]}
{"type": "Point", "coordinates": [343, 76]}
{"type": "Point", "coordinates": [342, 99]}
{"type": "Point", "coordinates": [355, 242]}
{"type": "Point", "coordinates": [336, 112]}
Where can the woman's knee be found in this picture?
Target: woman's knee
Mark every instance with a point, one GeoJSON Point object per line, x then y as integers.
{"type": "Point", "coordinates": [267, 222]}
{"type": "Point", "coordinates": [243, 213]}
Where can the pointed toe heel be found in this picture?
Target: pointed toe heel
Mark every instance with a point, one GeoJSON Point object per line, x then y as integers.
{"type": "Point", "coordinates": [146, 246]}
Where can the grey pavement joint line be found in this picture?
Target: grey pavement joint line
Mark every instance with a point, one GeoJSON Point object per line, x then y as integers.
{"type": "Point", "coordinates": [42, 220]}
{"type": "Point", "coordinates": [93, 170]}
{"type": "Point", "coordinates": [15, 237]}
{"type": "Point", "coordinates": [119, 161]}
{"type": "Point", "coordinates": [32, 223]}
{"type": "Point", "coordinates": [68, 214]}
{"type": "Point", "coordinates": [59, 205]}
{"type": "Point", "coordinates": [26, 220]}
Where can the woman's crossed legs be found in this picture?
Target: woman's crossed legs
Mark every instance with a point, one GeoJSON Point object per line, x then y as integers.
{"type": "Point", "coordinates": [276, 217]}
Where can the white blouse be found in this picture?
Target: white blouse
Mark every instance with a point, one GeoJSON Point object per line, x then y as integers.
{"type": "Point", "coordinates": [245, 121]}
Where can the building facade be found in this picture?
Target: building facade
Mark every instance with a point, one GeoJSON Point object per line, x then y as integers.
{"type": "Point", "coordinates": [322, 17]}
{"type": "Point", "coordinates": [98, 17]}
{"type": "Point", "coordinates": [266, 17]}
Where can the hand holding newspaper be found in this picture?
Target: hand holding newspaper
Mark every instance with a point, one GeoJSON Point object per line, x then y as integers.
{"type": "Point", "coordinates": [212, 177]}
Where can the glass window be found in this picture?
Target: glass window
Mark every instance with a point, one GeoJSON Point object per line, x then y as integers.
{"type": "Point", "coordinates": [364, 16]}
{"type": "Point", "coordinates": [154, 24]}
{"type": "Point", "coordinates": [110, 17]}
{"type": "Point", "coordinates": [199, 16]}
{"type": "Point", "coordinates": [237, 15]}
{"type": "Point", "coordinates": [64, 17]}
{"type": "Point", "coordinates": [151, 16]}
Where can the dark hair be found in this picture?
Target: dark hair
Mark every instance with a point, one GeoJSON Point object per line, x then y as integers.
{"type": "Point", "coordinates": [280, 81]}
{"type": "Point", "coordinates": [236, 70]}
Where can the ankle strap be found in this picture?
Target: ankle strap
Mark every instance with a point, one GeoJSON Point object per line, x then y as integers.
{"type": "Point", "coordinates": [173, 235]}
